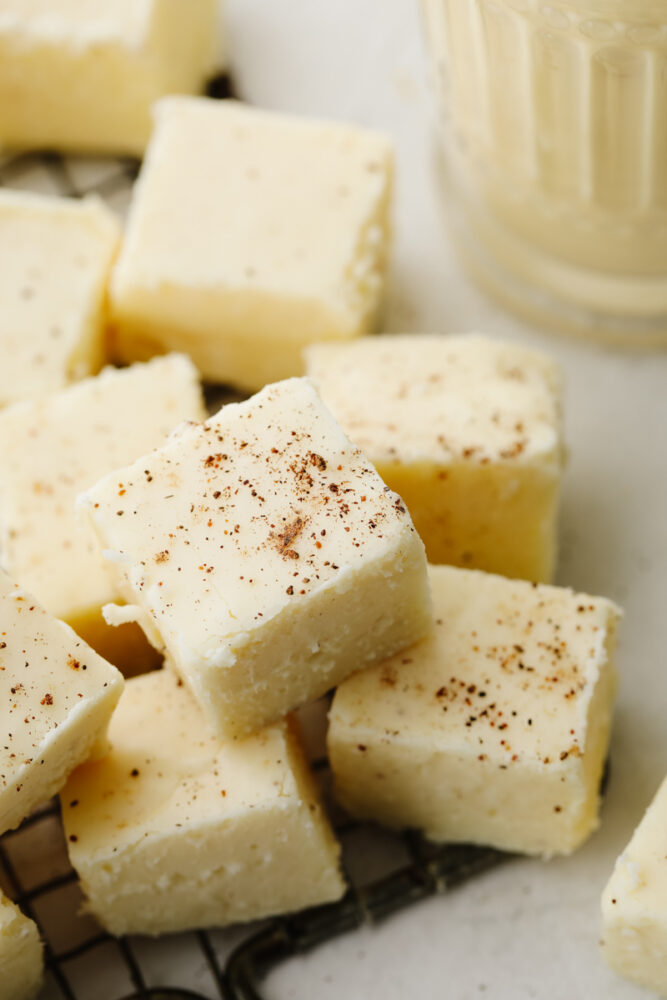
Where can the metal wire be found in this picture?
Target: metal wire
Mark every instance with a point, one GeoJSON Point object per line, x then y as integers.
{"type": "Point", "coordinates": [430, 870]}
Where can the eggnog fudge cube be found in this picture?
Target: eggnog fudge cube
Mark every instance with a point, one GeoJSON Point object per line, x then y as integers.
{"type": "Point", "coordinates": [175, 829]}
{"type": "Point", "coordinates": [634, 903]}
{"type": "Point", "coordinates": [251, 234]}
{"type": "Point", "coordinates": [467, 430]}
{"type": "Point", "coordinates": [265, 554]}
{"type": "Point", "coordinates": [493, 729]}
{"type": "Point", "coordinates": [55, 259]}
{"type": "Point", "coordinates": [56, 446]}
{"type": "Point", "coordinates": [56, 698]}
{"type": "Point", "coordinates": [82, 74]}
{"type": "Point", "coordinates": [21, 960]}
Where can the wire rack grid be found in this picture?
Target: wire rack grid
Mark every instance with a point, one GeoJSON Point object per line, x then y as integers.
{"type": "Point", "coordinates": [85, 963]}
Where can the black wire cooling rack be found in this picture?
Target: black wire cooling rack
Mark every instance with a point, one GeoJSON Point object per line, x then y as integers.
{"type": "Point", "coordinates": [35, 873]}
{"type": "Point", "coordinates": [34, 869]}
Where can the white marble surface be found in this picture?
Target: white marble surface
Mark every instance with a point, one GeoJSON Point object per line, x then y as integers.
{"type": "Point", "coordinates": [529, 930]}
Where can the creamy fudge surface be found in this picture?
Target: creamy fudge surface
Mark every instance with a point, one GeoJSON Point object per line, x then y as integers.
{"type": "Point", "coordinates": [56, 446]}
{"type": "Point", "coordinates": [56, 697]}
{"type": "Point", "coordinates": [274, 237]}
{"type": "Point", "coordinates": [175, 829]}
{"type": "Point", "coordinates": [82, 75]}
{"type": "Point", "coordinates": [266, 552]}
{"type": "Point", "coordinates": [468, 430]}
{"type": "Point", "coordinates": [408, 398]}
{"type": "Point", "coordinates": [21, 961]}
{"type": "Point", "coordinates": [634, 903]}
{"type": "Point", "coordinates": [494, 728]}
{"type": "Point", "coordinates": [55, 256]}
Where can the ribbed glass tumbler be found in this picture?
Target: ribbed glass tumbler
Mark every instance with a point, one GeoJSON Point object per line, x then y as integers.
{"type": "Point", "coordinates": [554, 129]}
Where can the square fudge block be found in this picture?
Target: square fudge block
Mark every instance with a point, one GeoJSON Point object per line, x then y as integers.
{"type": "Point", "coordinates": [265, 554]}
{"type": "Point", "coordinates": [56, 698]}
{"type": "Point", "coordinates": [56, 256]}
{"type": "Point", "coordinates": [21, 959]}
{"type": "Point", "coordinates": [250, 235]}
{"type": "Point", "coordinates": [492, 730]}
{"type": "Point", "coordinates": [82, 74]}
{"type": "Point", "coordinates": [52, 449]}
{"type": "Point", "coordinates": [634, 903]}
{"type": "Point", "coordinates": [467, 430]}
{"type": "Point", "coordinates": [175, 829]}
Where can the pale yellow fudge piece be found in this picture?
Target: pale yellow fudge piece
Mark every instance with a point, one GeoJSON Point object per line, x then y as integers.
{"type": "Point", "coordinates": [265, 553]}
{"type": "Point", "coordinates": [55, 259]}
{"type": "Point", "coordinates": [468, 430]}
{"type": "Point", "coordinates": [56, 698]}
{"type": "Point", "coordinates": [21, 960]}
{"type": "Point", "coordinates": [494, 729]}
{"type": "Point", "coordinates": [82, 74]}
{"type": "Point", "coordinates": [54, 447]}
{"type": "Point", "coordinates": [634, 903]}
{"type": "Point", "coordinates": [251, 234]}
{"type": "Point", "coordinates": [175, 829]}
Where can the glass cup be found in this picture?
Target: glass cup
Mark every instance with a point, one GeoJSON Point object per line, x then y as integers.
{"type": "Point", "coordinates": [554, 122]}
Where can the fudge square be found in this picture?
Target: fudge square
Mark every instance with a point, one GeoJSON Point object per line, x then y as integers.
{"type": "Point", "coordinates": [55, 257]}
{"type": "Point", "coordinates": [56, 698]}
{"type": "Point", "coordinates": [53, 448]}
{"type": "Point", "coordinates": [467, 430]}
{"type": "Point", "coordinates": [175, 830]}
{"type": "Point", "coordinates": [634, 903]}
{"type": "Point", "coordinates": [492, 730]}
{"type": "Point", "coordinates": [21, 959]}
{"type": "Point", "coordinates": [265, 554]}
{"type": "Point", "coordinates": [250, 235]}
{"type": "Point", "coordinates": [82, 75]}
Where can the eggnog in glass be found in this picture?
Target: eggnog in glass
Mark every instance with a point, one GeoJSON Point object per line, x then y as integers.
{"type": "Point", "coordinates": [554, 120]}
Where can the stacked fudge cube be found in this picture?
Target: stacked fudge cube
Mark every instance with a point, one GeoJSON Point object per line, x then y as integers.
{"type": "Point", "coordinates": [268, 560]}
